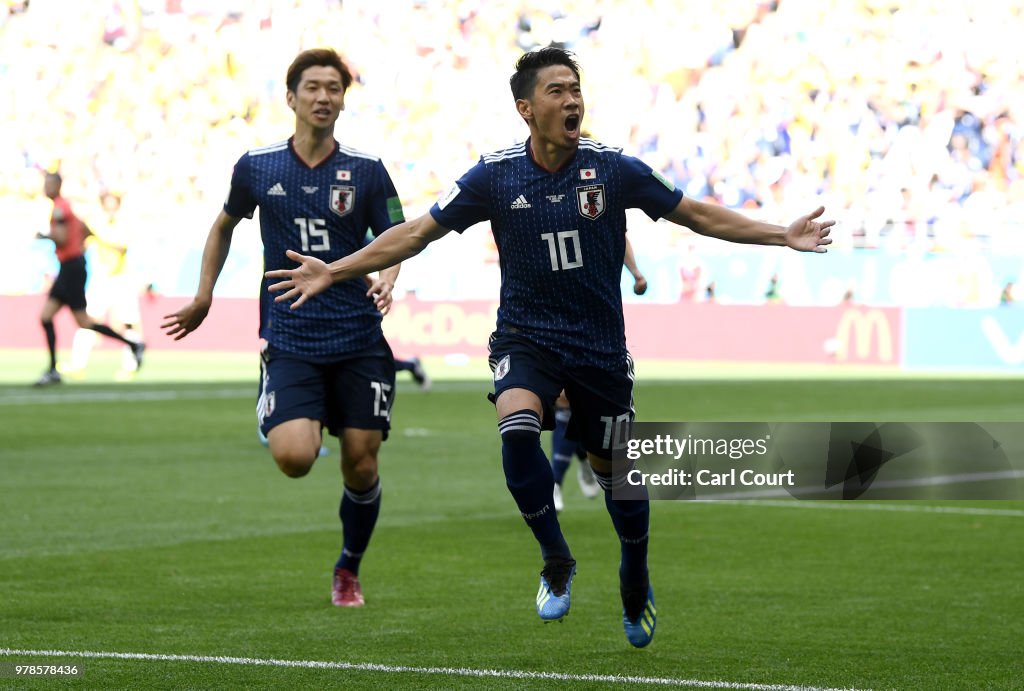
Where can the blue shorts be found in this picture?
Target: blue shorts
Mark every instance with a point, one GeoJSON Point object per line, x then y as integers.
{"type": "Point", "coordinates": [356, 391]}
{"type": "Point", "coordinates": [601, 399]}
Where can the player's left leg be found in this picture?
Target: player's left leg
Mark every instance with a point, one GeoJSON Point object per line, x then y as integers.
{"type": "Point", "coordinates": [360, 397]}
{"type": "Point", "coordinates": [602, 415]}
{"type": "Point", "coordinates": [360, 507]}
{"type": "Point", "coordinates": [631, 519]}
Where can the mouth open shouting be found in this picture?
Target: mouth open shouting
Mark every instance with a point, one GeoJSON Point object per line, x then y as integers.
{"type": "Point", "coordinates": [572, 126]}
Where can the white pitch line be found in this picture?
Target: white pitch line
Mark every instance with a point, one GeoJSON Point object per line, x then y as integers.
{"type": "Point", "coordinates": [401, 669]}
{"type": "Point", "coordinates": [853, 505]}
{"type": "Point", "coordinates": [122, 396]}
{"type": "Point", "coordinates": [929, 481]}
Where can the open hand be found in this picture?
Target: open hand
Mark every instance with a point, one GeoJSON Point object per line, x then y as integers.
{"type": "Point", "coordinates": [808, 235]}
{"type": "Point", "coordinates": [187, 319]}
{"type": "Point", "coordinates": [311, 277]}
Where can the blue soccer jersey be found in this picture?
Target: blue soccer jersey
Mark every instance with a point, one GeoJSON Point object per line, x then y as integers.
{"type": "Point", "coordinates": [323, 211]}
{"type": "Point", "coordinates": [561, 238]}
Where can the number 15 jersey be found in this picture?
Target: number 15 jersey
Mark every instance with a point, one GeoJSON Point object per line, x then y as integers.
{"type": "Point", "coordinates": [322, 210]}
{"type": "Point", "coordinates": [561, 238]}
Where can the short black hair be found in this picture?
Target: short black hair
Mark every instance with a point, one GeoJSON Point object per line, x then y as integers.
{"type": "Point", "coordinates": [317, 57]}
{"type": "Point", "coordinates": [524, 81]}
{"type": "Point", "coordinates": [54, 175]}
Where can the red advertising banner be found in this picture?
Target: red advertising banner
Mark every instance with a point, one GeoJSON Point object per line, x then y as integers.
{"type": "Point", "coordinates": [232, 324]}
{"type": "Point", "coordinates": [682, 332]}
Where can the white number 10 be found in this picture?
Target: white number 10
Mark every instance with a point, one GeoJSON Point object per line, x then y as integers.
{"type": "Point", "coordinates": [560, 252]}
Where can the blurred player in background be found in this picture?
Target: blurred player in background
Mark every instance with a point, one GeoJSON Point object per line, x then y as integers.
{"type": "Point", "coordinates": [113, 291]}
{"type": "Point", "coordinates": [328, 367]}
{"type": "Point", "coordinates": [414, 366]}
{"type": "Point", "coordinates": [68, 233]}
{"type": "Point", "coordinates": [557, 206]}
{"type": "Point", "coordinates": [563, 450]}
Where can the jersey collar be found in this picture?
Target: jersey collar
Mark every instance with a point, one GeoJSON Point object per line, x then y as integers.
{"type": "Point", "coordinates": [535, 162]}
{"type": "Point", "coordinates": [291, 147]}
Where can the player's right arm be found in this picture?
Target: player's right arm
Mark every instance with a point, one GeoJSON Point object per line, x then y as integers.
{"type": "Point", "coordinates": [312, 276]}
{"type": "Point", "coordinates": [463, 205]}
{"type": "Point", "coordinates": [218, 243]}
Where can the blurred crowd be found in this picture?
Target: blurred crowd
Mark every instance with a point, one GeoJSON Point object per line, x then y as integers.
{"type": "Point", "coordinates": [904, 118]}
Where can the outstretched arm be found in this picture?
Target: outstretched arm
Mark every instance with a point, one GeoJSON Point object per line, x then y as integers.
{"type": "Point", "coordinates": [312, 276]}
{"type": "Point", "coordinates": [804, 234]}
{"type": "Point", "coordinates": [218, 243]}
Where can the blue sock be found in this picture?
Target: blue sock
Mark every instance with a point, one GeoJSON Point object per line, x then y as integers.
{"type": "Point", "coordinates": [358, 512]}
{"type": "Point", "coordinates": [631, 518]}
{"type": "Point", "coordinates": [529, 479]}
{"type": "Point", "coordinates": [561, 448]}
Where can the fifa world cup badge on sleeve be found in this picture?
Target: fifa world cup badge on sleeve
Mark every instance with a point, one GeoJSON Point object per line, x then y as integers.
{"type": "Point", "coordinates": [451, 194]}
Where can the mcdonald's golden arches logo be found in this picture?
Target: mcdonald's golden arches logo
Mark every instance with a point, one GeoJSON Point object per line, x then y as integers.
{"type": "Point", "coordinates": [865, 333]}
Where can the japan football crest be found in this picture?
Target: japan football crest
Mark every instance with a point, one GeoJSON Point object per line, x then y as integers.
{"type": "Point", "coordinates": [343, 199]}
{"type": "Point", "coordinates": [591, 201]}
{"type": "Point", "coordinates": [502, 368]}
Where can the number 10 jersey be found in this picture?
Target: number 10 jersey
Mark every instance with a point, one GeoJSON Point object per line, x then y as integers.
{"type": "Point", "coordinates": [561, 238]}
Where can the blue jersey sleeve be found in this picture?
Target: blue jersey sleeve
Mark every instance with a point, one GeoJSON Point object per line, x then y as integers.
{"type": "Point", "coordinates": [466, 203]}
{"type": "Point", "coordinates": [648, 190]}
{"type": "Point", "coordinates": [385, 206]}
{"type": "Point", "coordinates": [240, 202]}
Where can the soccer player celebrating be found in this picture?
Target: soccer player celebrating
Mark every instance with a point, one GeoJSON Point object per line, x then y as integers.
{"type": "Point", "coordinates": [328, 366]}
{"type": "Point", "coordinates": [557, 206]}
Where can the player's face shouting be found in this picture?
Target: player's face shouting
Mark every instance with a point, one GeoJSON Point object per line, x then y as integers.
{"type": "Point", "coordinates": [319, 97]}
{"type": "Point", "coordinates": [557, 106]}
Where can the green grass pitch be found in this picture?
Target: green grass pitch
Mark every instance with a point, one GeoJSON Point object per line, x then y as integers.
{"type": "Point", "coordinates": [145, 519]}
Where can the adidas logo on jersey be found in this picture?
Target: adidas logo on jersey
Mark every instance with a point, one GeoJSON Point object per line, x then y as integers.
{"type": "Point", "coordinates": [276, 190]}
{"type": "Point", "coordinates": [521, 203]}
